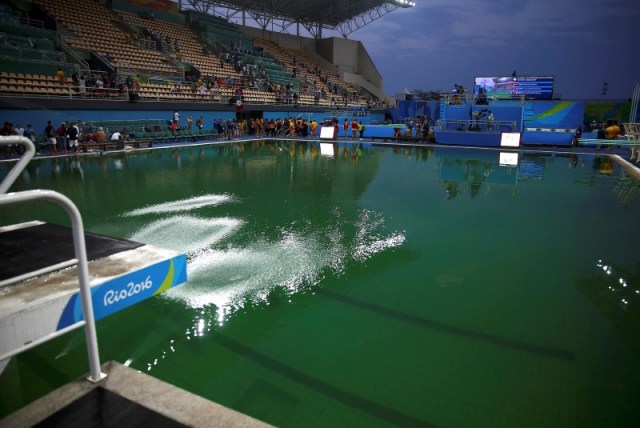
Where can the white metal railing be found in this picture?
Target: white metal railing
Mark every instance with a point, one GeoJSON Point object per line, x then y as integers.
{"type": "Point", "coordinates": [476, 125]}
{"type": "Point", "coordinates": [80, 256]}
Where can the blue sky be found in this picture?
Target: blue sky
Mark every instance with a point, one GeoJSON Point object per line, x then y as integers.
{"type": "Point", "coordinates": [583, 43]}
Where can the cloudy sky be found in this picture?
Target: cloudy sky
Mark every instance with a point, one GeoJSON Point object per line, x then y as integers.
{"type": "Point", "coordinates": [583, 43]}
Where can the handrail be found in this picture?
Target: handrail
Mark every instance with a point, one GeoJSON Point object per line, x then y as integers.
{"type": "Point", "coordinates": [17, 169]}
{"type": "Point", "coordinates": [475, 125]}
{"type": "Point", "coordinates": [80, 250]}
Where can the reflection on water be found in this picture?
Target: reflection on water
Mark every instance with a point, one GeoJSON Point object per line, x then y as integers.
{"type": "Point", "coordinates": [616, 293]}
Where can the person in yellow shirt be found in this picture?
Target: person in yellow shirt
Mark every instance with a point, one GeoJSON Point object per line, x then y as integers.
{"type": "Point", "coordinates": [314, 127]}
{"type": "Point", "coordinates": [612, 131]}
{"type": "Point", "coordinates": [60, 75]}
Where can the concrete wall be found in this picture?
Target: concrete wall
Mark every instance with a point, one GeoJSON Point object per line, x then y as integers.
{"type": "Point", "coordinates": [349, 58]}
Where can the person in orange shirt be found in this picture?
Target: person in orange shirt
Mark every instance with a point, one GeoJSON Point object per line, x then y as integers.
{"type": "Point", "coordinates": [314, 127]}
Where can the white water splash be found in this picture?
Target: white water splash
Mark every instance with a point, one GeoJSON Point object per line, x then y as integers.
{"type": "Point", "coordinates": [226, 277]}
{"type": "Point", "coordinates": [182, 205]}
{"type": "Point", "coordinates": [187, 233]}
{"type": "Point", "coordinates": [368, 242]}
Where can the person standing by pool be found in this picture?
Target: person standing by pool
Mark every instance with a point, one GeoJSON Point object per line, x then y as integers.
{"type": "Point", "coordinates": [62, 136]}
{"type": "Point", "coordinates": [354, 129]}
{"type": "Point", "coordinates": [72, 137]}
{"type": "Point", "coordinates": [361, 129]}
{"type": "Point", "coordinates": [612, 131]}
{"type": "Point", "coordinates": [50, 133]}
{"type": "Point", "coordinates": [345, 125]}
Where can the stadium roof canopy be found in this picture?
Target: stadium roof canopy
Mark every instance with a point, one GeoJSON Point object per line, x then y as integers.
{"type": "Point", "coordinates": [344, 16]}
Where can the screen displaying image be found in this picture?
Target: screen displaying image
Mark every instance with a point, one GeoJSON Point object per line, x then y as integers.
{"type": "Point", "coordinates": [509, 87]}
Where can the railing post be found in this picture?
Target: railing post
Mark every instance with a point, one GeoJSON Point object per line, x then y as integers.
{"type": "Point", "coordinates": [78, 243]}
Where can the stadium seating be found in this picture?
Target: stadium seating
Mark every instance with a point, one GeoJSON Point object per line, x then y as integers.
{"type": "Point", "coordinates": [141, 44]}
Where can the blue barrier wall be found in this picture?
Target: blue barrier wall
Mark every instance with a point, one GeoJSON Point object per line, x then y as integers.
{"type": "Point", "coordinates": [551, 122]}
{"type": "Point", "coordinates": [501, 113]}
{"type": "Point", "coordinates": [411, 109]}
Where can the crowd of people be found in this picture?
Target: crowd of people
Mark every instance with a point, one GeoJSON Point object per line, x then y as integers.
{"type": "Point", "coordinates": [67, 137]}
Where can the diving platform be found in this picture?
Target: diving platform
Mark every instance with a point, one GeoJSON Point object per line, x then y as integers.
{"type": "Point", "coordinates": [121, 274]}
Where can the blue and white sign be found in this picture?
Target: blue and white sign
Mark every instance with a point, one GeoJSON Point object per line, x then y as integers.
{"type": "Point", "coordinates": [127, 290]}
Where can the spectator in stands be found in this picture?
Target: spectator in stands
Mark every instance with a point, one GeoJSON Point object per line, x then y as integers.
{"type": "Point", "coordinates": [82, 85]}
{"type": "Point", "coordinates": [101, 136]}
{"type": "Point", "coordinates": [99, 86]}
{"type": "Point", "coordinates": [60, 76]}
{"type": "Point", "coordinates": [108, 57]}
{"type": "Point", "coordinates": [129, 83]}
{"type": "Point", "coordinates": [215, 94]}
{"type": "Point", "coordinates": [137, 84]}
{"type": "Point", "coordinates": [74, 81]}
{"type": "Point", "coordinates": [50, 134]}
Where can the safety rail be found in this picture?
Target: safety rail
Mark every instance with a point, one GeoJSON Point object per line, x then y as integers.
{"type": "Point", "coordinates": [80, 259]}
{"type": "Point", "coordinates": [476, 125]}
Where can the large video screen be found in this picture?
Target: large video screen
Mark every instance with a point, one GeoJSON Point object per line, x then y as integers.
{"type": "Point", "coordinates": [532, 87]}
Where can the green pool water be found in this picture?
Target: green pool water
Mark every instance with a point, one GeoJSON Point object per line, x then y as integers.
{"type": "Point", "coordinates": [376, 287]}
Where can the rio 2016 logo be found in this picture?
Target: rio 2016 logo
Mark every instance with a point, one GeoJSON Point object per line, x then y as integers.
{"type": "Point", "coordinates": [111, 296]}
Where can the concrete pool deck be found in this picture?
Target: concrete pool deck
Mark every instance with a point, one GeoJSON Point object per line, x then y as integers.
{"type": "Point", "coordinates": [126, 397]}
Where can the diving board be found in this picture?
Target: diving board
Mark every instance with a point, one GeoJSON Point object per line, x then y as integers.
{"type": "Point", "coordinates": [121, 274]}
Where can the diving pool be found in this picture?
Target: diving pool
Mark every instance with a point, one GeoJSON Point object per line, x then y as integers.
{"type": "Point", "coordinates": [380, 286]}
